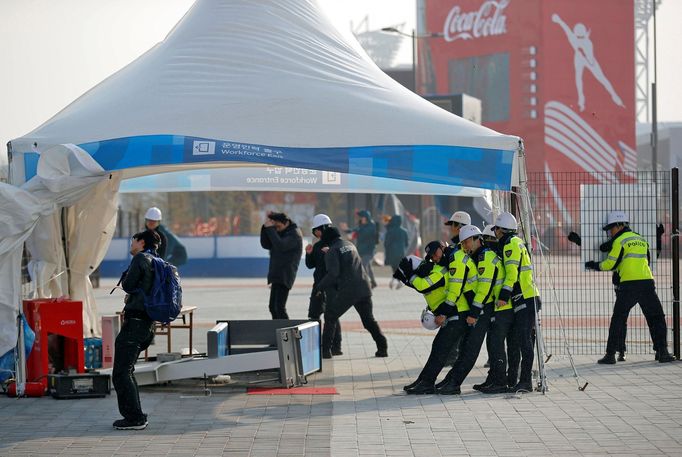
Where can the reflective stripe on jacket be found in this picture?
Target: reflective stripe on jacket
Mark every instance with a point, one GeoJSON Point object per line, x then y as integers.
{"type": "Point", "coordinates": [431, 286]}
{"type": "Point", "coordinates": [629, 256]}
{"type": "Point", "coordinates": [518, 269]}
{"type": "Point", "coordinates": [460, 279]}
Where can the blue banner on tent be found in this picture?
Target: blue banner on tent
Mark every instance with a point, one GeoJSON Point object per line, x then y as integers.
{"type": "Point", "coordinates": [450, 165]}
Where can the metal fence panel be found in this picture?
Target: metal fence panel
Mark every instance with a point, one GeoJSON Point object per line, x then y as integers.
{"type": "Point", "coordinates": [582, 301]}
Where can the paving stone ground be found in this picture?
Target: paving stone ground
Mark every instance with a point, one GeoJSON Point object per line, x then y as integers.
{"type": "Point", "coordinates": [632, 408]}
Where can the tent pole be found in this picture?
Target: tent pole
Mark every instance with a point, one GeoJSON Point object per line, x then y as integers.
{"type": "Point", "coordinates": [523, 204]}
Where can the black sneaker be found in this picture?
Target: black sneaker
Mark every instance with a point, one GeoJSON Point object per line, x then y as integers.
{"type": "Point", "coordinates": [125, 424]}
{"type": "Point", "coordinates": [621, 356]}
{"type": "Point", "coordinates": [608, 359]}
{"type": "Point", "coordinates": [665, 357]}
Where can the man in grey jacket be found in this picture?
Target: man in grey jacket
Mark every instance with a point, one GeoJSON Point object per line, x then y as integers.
{"type": "Point", "coordinates": [137, 330]}
{"type": "Point", "coordinates": [346, 284]}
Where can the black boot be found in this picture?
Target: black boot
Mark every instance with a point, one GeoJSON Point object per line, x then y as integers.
{"type": "Point", "coordinates": [381, 352]}
{"type": "Point", "coordinates": [665, 357]}
{"type": "Point", "coordinates": [608, 359]}
{"type": "Point", "coordinates": [621, 356]}
{"type": "Point", "coordinates": [493, 389]}
{"type": "Point", "coordinates": [442, 383]}
{"type": "Point", "coordinates": [422, 388]}
{"type": "Point", "coordinates": [337, 351]}
{"type": "Point", "coordinates": [523, 386]}
{"type": "Point", "coordinates": [326, 353]}
{"type": "Point", "coordinates": [411, 385]}
{"type": "Point", "coordinates": [449, 388]}
{"type": "Point", "coordinates": [484, 384]}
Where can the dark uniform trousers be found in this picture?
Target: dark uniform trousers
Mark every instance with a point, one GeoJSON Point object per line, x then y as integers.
{"type": "Point", "coordinates": [135, 336]}
{"type": "Point", "coordinates": [630, 293]}
{"type": "Point", "coordinates": [447, 338]}
{"type": "Point", "coordinates": [315, 311]}
{"type": "Point", "coordinates": [278, 301]}
{"type": "Point", "coordinates": [337, 307]}
{"type": "Point", "coordinates": [499, 332]}
{"type": "Point", "coordinates": [470, 347]}
{"type": "Point", "coordinates": [521, 345]}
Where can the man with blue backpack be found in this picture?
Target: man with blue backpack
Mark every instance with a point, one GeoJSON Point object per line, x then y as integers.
{"type": "Point", "coordinates": [153, 293]}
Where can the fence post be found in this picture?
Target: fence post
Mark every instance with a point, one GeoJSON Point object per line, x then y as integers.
{"type": "Point", "coordinates": [676, 260]}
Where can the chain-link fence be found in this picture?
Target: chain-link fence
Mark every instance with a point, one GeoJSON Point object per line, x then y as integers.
{"type": "Point", "coordinates": [582, 301]}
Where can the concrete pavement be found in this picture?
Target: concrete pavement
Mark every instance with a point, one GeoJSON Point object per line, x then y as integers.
{"type": "Point", "coordinates": [632, 408]}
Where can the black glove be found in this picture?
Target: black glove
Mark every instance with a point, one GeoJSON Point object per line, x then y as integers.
{"type": "Point", "coordinates": [592, 265]}
{"type": "Point", "coordinates": [606, 245]}
{"type": "Point", "coordinates": [574, 238]}
{"type": "Point", "coordinates": [424, 269]}
{"type": "Point", "coordinates": [399, 275]}
{"type": "Point", "coordinates": [406, 266]}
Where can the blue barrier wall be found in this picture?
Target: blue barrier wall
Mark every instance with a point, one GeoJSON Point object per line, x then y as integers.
{"type": "Point", "coordinates": [226, 257]}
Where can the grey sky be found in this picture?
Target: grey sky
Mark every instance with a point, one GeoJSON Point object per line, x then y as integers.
{"type": "Point", "coordinates": [52, 51]}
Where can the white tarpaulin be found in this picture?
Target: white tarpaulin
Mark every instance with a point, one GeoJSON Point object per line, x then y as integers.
{"type": "Point", "coordinates": [256, 82]}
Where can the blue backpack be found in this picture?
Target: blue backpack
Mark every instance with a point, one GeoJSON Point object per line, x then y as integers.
{"type": "Point", "coordinates": [164, 301]}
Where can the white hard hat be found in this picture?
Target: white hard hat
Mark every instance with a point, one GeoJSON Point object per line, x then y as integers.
{"type": "Point", "coordinates": [153, 214]}
{"type": "Point", "coordinates": [321, 219]}
{"type": "Point", "coordinates": [468, 231]}
{"type": "Point", "coordinates": [428, 320]}
{"type": "Point", "coordinates": [461, 217]}
{"type": "Point", "coordinates": [615, 217]}
{"type": "Point", "coordinates": [506, 221]}
{"type": "Point", "coordinates": [488, 230]}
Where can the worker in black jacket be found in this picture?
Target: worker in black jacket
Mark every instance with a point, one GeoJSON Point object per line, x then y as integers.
{"type": "Point", "coordinates": [346, 284]}
{"type": "Point", "coordinates": [284, 240]}
{"type": "Point", "coordinates": [137, 331]}
{"type": "Point", "coordinates": [314, 259]}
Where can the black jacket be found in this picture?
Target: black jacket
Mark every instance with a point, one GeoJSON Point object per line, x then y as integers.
{"type": "Point", "coordinates": [286, 248]}
{"type": "Point", "coordinates": [138, 280]}
{"type": "Point", "coordinates": [315, 260]}
{"type": "Point", "coordinates": [345, 275]}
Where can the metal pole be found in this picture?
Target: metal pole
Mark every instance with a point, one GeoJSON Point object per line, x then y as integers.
{"type": "Point", "coordinates": [654, 117]}
{"type": "Point", "coordinates": [414, 62]}
{"type": "Point", "coordinates": [526, 223]}
{"type": "Point", "coordinates": [676, 260]}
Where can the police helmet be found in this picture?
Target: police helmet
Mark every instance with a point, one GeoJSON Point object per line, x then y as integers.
{"type": "Point", "coordinates": [506, 221]}
{"type": "Point", "coordinates": [468, 231]}
{"type": "Point", "coordinates": [615, 218]}
{"type": "Point", "coordinates": [459, 217]}
{"type": "Point", "coordinates": [428, 320]}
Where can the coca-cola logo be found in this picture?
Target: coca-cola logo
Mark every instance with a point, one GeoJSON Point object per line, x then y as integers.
{"type": "Point", "coordinates": [68, 322]}
{"type": "Point", "coordinates": [489, 20]}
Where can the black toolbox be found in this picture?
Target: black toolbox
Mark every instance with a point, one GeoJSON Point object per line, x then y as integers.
{"type": "Point", "coordinates": [79, 385]}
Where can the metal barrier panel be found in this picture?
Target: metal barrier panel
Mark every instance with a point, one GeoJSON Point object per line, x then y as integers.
{"type": "Point", "coordinates": [582, 301]}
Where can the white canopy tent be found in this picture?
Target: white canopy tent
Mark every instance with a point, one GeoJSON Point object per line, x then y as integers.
{"type": "Point", "coordinates": [236, 82]}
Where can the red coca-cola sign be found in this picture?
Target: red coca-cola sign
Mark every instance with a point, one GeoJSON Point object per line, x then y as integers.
{"type": "Point", "coordinates": [488, 20]}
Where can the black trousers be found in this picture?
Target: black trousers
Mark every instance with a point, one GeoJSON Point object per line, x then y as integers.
{"type": "Point", "coordinates": [316, 309]}
{"type": "Point", "coordinates": [471, 347]}
{"type": "Point", "coordinates": [627, 296]}
{"type": "Point", "coordinates": [278, 301]}
{"type": "Point", "coordinates": [338, 307]}
{"type": "Point", "coordinates": [498, 334]}
{"type": "Point", "coordinates": [522, 345]}
{"type": "Point", "coordinates": [136, 335]}
{"type": "Point", "coordinates": [444, 342]}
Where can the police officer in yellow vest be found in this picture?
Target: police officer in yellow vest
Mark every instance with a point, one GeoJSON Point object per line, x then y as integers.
{"type": "Point", "coordinates": [519, 286]}
{"type": "Point", "coordinates": [629, 256]}
{"type": "Point", "coordinates": [431, 281]}
{"type": "Point", "coordinates": [481, 299]}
